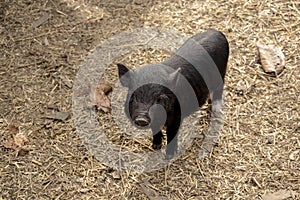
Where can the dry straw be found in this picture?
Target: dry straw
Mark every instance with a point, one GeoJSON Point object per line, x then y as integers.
{"type": "Point", "coordinates": [259, 148]}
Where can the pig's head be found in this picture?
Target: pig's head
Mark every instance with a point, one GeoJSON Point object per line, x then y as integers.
{"type": "Point", "coordinates": [150, 98]}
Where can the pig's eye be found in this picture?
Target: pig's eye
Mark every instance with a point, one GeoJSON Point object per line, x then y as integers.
{"type": "Point", "coordinates": [162, 98]}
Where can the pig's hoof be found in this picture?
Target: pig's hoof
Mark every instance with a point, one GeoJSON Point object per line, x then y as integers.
{"type": "Point", "coordinates": [156, 146]}
{"type": "Point", "coordinates": [169, 156]}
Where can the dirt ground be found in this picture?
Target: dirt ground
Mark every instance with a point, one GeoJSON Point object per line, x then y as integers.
{"type": "Point", "coordinates": [259, 150]}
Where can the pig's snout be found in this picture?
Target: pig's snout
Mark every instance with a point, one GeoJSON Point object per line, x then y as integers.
{"type": "Point", "coordinates": [142, 121]}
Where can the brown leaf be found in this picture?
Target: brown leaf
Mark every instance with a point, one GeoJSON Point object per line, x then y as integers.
{"type": "Point", "coordinates": [279, 195]}
{"type": "Point", "coordinates": [106, 88]}
{"type": "Point", "coordinates": [24, 150]}
{"type": "Point", "coordinates": [13, 129]}
{"type": "Point", "coordinates": [271, 58]}
{"type": "Point", "coordinates": [98, 96]}
{"type": "Point", "coordinates": [11, 145]}
{"type": "Point", "coordinates": [18, 141]}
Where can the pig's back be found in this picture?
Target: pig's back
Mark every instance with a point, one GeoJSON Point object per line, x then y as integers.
{"type": "Point", "coordinates": [215, 46]}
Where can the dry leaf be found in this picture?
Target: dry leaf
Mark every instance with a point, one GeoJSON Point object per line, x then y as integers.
{"type": "Point", "coordinates": [11, 145]}
{"type": "Point", "coordinates": [279, 195]}
{"type": "Point", "coordinates": [98, 96]}
{"type": "Point", "coordinates": [18, 141]}
{"type": "Point", "coordinates": [13, 129]}
{"type": "Point", "coordinates": [24, 150]}
{"type": "Point", "coordinates": [106, 88]}
{"type": "Point", "coordinates": [41, 20]}
{"type": "Point", "coordinates": [150, 193]}
{"type": "Point", "coordinates": [271, 58]}
{"type": "Point", "coordinates": [59, 116]}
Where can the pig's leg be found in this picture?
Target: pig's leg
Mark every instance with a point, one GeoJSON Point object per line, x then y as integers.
{"type": "Point", "coordinates": [215, 126]}
{"type": "Point", "coordinates": [172, 135]}
{"type": "Point", "coordinates": [157, 140]}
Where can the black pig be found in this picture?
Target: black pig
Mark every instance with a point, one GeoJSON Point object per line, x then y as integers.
{"type": "Point", "coordinates": [163, 94]}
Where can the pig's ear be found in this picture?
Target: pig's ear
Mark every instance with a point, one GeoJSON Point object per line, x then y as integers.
{"type": "Point", "coordinates": [124, 74]}
{"type": "Point", "coordinates": [174, 76]}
